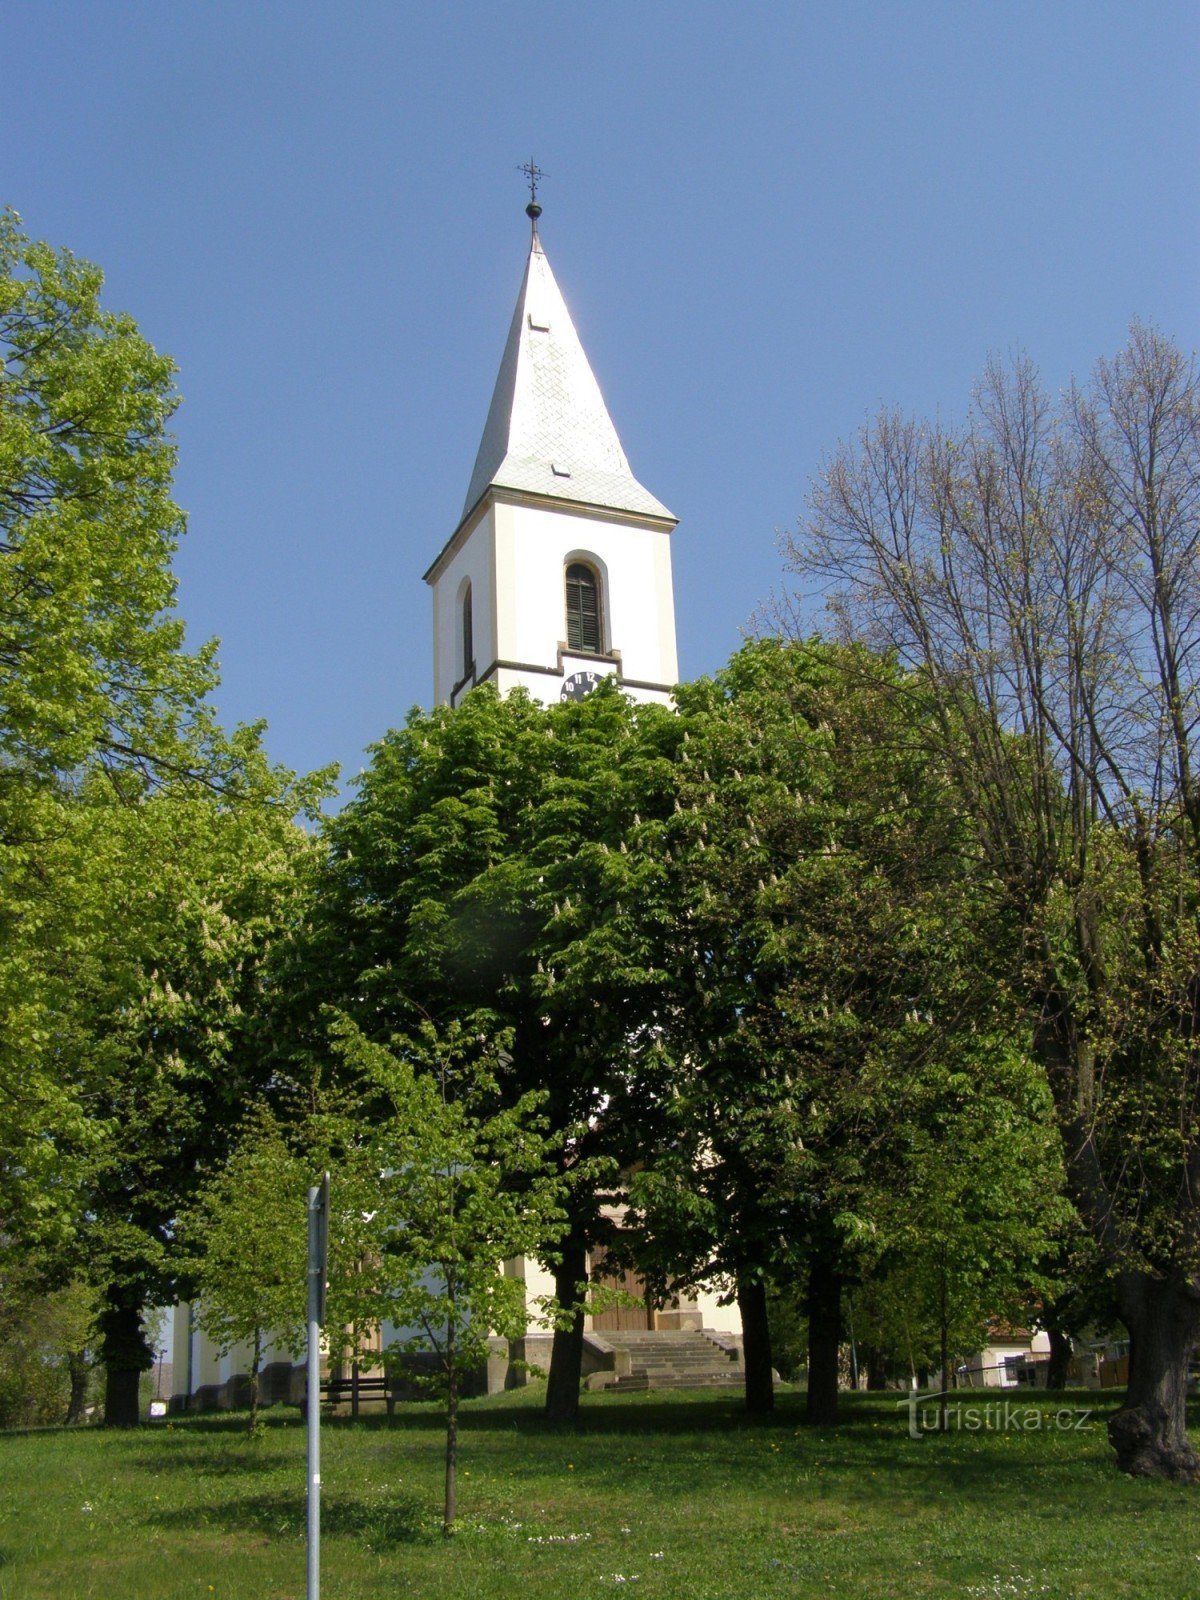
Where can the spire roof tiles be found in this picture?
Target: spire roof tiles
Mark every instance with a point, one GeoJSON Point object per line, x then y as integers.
{"type": "Point", "coordinates": [548, 431]}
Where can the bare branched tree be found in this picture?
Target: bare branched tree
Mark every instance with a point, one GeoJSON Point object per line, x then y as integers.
{"type": "Point", "coordinates": [1039, 572]}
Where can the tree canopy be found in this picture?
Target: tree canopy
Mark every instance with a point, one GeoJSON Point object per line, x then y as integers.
{"type": "Point", "coordinates": [92, 665]}
{"type": "Point", "coordinates": [832, 955]}
{"type": "Point", "coordinates": [740, 991]}
{"type": "Point", "coordinates": [146, 856]}
{"type": "Point", "coordinates": [485, 869]}
{"type": "Point", "coordinates": [1039, 569]}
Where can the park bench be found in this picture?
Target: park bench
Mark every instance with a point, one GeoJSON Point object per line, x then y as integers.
{"type": "Point", "coordinates": [360, 1386]}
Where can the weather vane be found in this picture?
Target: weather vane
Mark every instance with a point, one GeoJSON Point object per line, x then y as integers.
{"type": "Point", "coordinates": [533, 173]}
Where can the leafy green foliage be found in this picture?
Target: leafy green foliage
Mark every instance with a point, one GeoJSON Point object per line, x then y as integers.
{"type": "Point", "coordinates": [170, 1016]}
{"type": "Point", "coordinates": [144, 1028]}
{"type": "Point", "coordinates": [737, 944]}
{"type": "Point", "coordinates": [964, 1234]}
{"type": "Point", "coordinates": [45, 1335]}
{"type": "Point", "coordinates": [133, 897]}
{"type": "Point", "coordinates": [1037, 567]}
{"type": "Point", "coordinates": [485, 875]}
{"type": "Point", "coordinates": [460, 1185]}
{"type": "Point", "coordinates": [832, 951]}
{"type": "Point", "coordinates": [91, 661]}
{"type": "Point", "coordinates": [246, 1229]}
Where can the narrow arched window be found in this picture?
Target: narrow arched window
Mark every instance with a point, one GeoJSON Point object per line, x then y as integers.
{"type": "Point", "coordinates": [468, 635]}
{"type": "Point", "coordinates": [584, 631]}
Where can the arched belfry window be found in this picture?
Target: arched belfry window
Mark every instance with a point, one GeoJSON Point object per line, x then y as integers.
{"type": "Point", "coordinates": [468, 634]}
{"type": "Point", "coordinates": [585, 631]}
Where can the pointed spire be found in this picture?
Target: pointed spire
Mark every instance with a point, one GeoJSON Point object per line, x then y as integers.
{"type": "Point", "coordinates": [548, 431]}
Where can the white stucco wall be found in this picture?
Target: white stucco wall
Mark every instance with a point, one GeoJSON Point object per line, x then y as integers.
{"type": "Point", "coordinates": [539, 1285]}
{"type": "Point", "coordinates": [207, 1364]}
{"type": "Point", "coordinates": [716, 1317]}
{"type": "Point", "coordinates": [988, 1365]}
{"type": "Point", "coordinates": [534, 548]}
{"type": "Point", "coordinates": [472, 562]}
{"type": "Point", "coordinates": [515, 556]}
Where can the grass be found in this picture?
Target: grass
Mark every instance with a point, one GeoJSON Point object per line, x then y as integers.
{"type": "Point", "coordinates": [680, 1497]}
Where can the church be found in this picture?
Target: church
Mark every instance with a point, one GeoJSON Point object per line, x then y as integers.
{"type": "Point", "coordinates": [557, 575]}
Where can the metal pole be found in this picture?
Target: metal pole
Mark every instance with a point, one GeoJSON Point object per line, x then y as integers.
{"type": "Point", "coordinates": [316, 1285]}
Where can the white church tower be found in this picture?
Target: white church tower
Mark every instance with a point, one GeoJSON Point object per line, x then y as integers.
{"type": "Point", "coordinates": [559, 571]}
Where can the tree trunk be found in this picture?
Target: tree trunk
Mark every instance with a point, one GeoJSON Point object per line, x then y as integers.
{"type": "Point", "coordinates": [756, 1345]}
{"type": "Point", "coordinates": [943, 1353]}
{"type": "Point", "coordinates": [451, 1508]}
{"type": "Point", "coordinates": [877, 1375]}
{"type": "Point", "coordinates": [125, 1354]}
{"type": "Point", "coordinates": [77, 1368]}
{"type": "Point", "coordinates": [824, 1339]}
{"type": "Point", "coordinates": [354, 1389]}
{"type": "Point", "coordinates": [1149, 1432]}
{"type": "Point", "coordinates": [1060, 1359]}
{"type": "Point", "coordinates": [566, 1355]}
{"type": "Point", "coordinates": [255, 1364]}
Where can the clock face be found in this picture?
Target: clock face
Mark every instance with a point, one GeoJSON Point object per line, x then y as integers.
{"type": "Point", "coordinates": [579, 684]}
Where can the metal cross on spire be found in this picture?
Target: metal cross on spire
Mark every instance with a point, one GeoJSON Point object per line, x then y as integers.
{"type": "Point", "coordinates": [533, 173]}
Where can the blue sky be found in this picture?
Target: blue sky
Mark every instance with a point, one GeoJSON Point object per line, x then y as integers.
{"type": "Point", "coordinates": [767, 219]}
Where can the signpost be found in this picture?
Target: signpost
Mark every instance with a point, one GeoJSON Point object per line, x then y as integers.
{"type": "Point", "coordinates": [318, 1272]}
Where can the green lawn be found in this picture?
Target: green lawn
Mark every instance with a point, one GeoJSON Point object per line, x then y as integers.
{"type": "Point", "coordinates": [682, 1497]}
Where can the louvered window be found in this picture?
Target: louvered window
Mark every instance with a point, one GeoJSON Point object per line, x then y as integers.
{"type": "Point", "coordinates": [583, 609]}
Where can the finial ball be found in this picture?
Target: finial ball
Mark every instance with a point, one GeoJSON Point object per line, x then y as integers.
{"type": "Point", "coordinates": [533, 211]}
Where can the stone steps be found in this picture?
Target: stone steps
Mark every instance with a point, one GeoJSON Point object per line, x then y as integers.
{"type": "Point", "coordinates": [674, 1359]}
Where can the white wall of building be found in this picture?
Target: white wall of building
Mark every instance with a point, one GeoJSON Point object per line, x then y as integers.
{"type": "Point", "coordinates": [471, 563]}
{"type": "Point", "coordinates": [515, 556]}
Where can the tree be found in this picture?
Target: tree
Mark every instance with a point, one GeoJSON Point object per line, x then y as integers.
{"type": "Point", "coordinates": [113, 779]}
{"type": "Point", "coordinates": [247, 1228]}
{"type": "Point", "coordinates": [164, 1035]}
{"type": "Point", "coordinates": [1038, 569]}
{"type": "Point", "coordinates": [45, 1337]}
{"type": "Point", "coordinates": [829, 950]}
{"type": "Point", "coordinates": [484, 871]}
{"type": "Point", "coordinates": [246, 1233]}
{"type": "Point", "coordinates": [963, 1235]}
{"type": "Point", "coordinates": [91, 658]}
{"type": "Point", "coordinates": [92, 670]}
{"type": "Point", "coordinates": [462, 1184]}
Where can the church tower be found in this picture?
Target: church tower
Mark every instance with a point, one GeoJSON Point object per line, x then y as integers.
{"type": "Point", "coordinates": [559, 571]}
